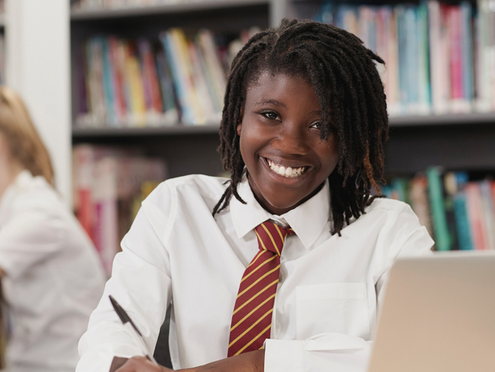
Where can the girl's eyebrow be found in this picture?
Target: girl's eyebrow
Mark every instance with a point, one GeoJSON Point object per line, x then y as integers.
{"type": "Point", "coordinates": [270, 101]}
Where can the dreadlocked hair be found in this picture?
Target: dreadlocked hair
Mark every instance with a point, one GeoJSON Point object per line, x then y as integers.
{"type": "Point", "coordinates": [351, 96]}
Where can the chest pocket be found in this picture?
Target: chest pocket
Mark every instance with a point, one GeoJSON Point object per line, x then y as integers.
{"type": "Point", "coordinates": [332, 308]}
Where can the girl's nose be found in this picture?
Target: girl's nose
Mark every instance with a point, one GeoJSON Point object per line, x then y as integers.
{"type": "Point", "coordinates": [291, 140]}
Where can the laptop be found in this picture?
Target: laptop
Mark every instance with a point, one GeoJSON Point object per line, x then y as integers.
{"type": "Point", "coordinates": [438, 315]}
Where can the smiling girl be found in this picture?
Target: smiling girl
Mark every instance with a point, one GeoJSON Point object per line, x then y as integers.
{"type": "Point", "coordinates": [282, 267]}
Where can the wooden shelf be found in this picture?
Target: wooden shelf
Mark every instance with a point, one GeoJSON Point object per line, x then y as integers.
{"type": "Point", "coordinates": [182, 7]}
{"type": "Point", "coordinates": [447, 119]}
{"type": "Point", "coordinates": [174, 130]}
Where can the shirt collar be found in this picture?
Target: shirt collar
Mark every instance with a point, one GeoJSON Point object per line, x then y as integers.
{"type": "Point", "coordinates": [307, 220]}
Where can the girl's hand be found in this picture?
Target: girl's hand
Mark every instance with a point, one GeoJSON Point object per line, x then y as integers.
{"type": "Point", "coordinates": [247, 362]}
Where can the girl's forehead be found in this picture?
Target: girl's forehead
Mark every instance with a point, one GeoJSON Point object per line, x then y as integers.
{"type": "Point", "coordinates": [267, 77]}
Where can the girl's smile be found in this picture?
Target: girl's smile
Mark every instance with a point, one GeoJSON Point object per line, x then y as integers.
{"type": "Point", "coordinates": [280, 142]}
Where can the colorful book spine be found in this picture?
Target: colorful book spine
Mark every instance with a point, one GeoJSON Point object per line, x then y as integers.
{"type": "Point", "coordinates": [485, 73]}
{"type": "Point", "coordinates": [180, 43]}
{"type": "Point", "coordinates": [424, 105]}
{"type": "Point", "coordinates": [105, 199]}
{"type": "Point", "coordinates": [404, 61]}
{"type": "Point", "coordinates": [117, 81]}
{"type": "Point", "coordinates": [133, 71]}
{"type": "Point", "coordinates": [179, 77]}
{"type": "Point", "coordinates": [212, 60]}
{"type": "Point", "coordinates": [488, 212]}
{"type": "Point", "coordinates": [107, 81]}
{"type": "Point", "coordinates": [419, 201]}
{"type": "Point", "coordinates": [442, 238]}
{"type": "Point", "coordinates": [411, 60]}
{"type": "Point", "coordinates": [475, 215]}
{"type": "Point", "coordinates": [468, 53]}
{"type": "Point", "coordinates": [171, 114]}
{"type": "Point", "coordinates": [464, 239]}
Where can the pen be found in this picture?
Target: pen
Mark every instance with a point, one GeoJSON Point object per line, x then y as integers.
{"type": "Point", "coordinates": [124, 317]}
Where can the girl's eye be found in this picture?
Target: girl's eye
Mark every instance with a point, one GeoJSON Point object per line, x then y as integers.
{"type": "Point", "coordinates": [270, 115]}
{"type": "Point", "coordinates": [316, 125]}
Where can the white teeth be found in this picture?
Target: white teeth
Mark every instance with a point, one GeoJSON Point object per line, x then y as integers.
{"type": "Point", "coordinates": [286, 172]}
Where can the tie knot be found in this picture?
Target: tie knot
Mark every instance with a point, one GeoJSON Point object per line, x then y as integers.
{"type": "Point", "coordinates": [271, 237]}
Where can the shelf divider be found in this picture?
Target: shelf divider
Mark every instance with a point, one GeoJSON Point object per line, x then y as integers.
{"type": "Point", "coordinates": [181, 7]}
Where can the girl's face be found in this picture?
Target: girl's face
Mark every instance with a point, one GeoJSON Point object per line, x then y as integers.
{"type": "Point", "coordinates": [280, 142]}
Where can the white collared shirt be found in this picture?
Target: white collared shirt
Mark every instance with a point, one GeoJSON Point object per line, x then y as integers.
{"type": "Point", "coordinates": [53, 280]}
{"type": "Point", "coordinates": [326, 303]}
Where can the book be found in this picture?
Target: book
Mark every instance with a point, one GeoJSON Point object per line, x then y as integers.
{"type": "Point", "coordinates": [136, 88]}
{"type": "Point", "coordinates": [435, 190]}
{"type": "Point", "coordinates": [171, 115]}
{"type": "Point", "coordinates": [424, 94]}
{"type": "Point", "coordinates": [449, 192]}
{"type": "Point", "coordinates": [488, 212]}
{"type": "Point", "coordinates": [419, 200]}
{"type": "Point", "coordinates": [475, 215]}
{"type": "Point", "coordinates": [82, 174]}
{"type": "Point", "coordinates": [180, 78]}
{"type": "Point", "coordinates": [460, 211]}
{"type": "Point", "coordinates": [105, 210]}
{"type": "Point", "coordinates": [468, 53]}
{"type": "Point", "coordinates": [150, 83]}
{"type": "Point", "coordinates": [485, 74]}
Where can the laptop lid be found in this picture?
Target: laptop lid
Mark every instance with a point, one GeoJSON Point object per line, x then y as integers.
{"type": "Point", "coordinates": [438, 315]}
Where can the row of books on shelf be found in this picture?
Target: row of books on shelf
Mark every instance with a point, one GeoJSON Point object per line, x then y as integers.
{"type": "Point", "coordinates": [440, 57]}
{"type": "Point", "coordinates": [133, 83]}
{"type": "Point", "coordinates": [116, 4]}
{"type": "Point", "coordinates": [459, 213]}
{"type": "Point", "coordinates": [108, 186]}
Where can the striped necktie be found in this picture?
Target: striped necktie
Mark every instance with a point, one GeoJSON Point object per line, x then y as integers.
{"type": "Point", "coordinates": [252, 317]}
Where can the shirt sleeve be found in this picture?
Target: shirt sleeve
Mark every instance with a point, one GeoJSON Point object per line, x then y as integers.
{"type": "Point", "coordinates": [29, 236]}
{"type": "Point", "coordinates": [401, 236]}
{"type": "Point", "coordinates": [141, 284]}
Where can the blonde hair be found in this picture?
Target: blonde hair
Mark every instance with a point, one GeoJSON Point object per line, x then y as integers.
{"type": "Point", "coordinates": [23, 140]}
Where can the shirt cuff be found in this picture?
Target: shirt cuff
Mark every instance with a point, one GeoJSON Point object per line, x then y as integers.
{"type": "Point", "coordinates": [283, 355]}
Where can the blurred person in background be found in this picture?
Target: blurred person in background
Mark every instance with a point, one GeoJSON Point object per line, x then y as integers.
{"type": "Point", "coordinates": [51, 275]}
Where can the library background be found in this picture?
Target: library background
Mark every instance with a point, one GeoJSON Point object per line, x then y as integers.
{"type": "Point", "coordinates": [133, 92]}
{"type": "Point", "coordinates": [127, 93]}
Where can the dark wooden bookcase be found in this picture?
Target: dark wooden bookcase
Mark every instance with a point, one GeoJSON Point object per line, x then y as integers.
{"type": "Point", "coordinates": [455, 142]}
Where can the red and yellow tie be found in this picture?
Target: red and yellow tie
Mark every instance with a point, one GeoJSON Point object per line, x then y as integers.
{"type": "Point", "coordinates": [252, 317]}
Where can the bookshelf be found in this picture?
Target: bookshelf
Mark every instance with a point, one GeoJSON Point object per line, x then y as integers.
{"type": "Point", "coordinates": [462, 141]}
{"type": "Point", "coordinates": [186, 149]}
